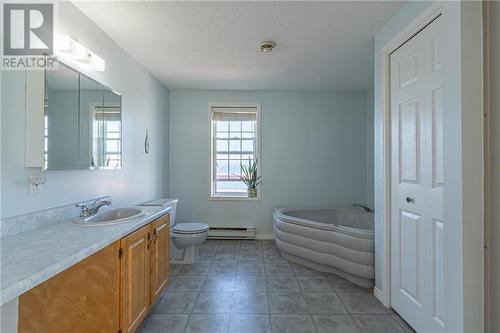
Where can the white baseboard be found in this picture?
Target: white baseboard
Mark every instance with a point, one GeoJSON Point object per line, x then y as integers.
{"type": "Point", "coordinates": [264, 237]}
{"type": "Point", "coordinates": [380, 296]}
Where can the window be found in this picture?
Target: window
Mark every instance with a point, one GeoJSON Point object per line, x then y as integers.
{"type": "Point", "coordinates": [107, 125]}
{"type": "Point", "coordinates": [235, 142]}
{"type": "Point", "coordinates": [112, 144]}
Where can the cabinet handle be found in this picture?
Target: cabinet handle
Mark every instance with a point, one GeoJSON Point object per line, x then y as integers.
{"type": "Point", "coordinates": [155, 232]}
{"type": "Point", "coordinates": [149, 240]}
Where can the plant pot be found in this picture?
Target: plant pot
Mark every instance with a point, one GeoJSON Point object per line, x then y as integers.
{"type": "Point", "coordinates": [252, 192]}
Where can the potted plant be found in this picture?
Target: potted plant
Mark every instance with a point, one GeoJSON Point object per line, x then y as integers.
{"type": "Point", "coordinates": [250, 178]}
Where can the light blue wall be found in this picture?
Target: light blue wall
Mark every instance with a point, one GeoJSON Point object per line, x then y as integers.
{"type": "Point", "coordinates": [313, 154]}
{"type": "Point", "coordinates": [145, 105]}
{"type": "Point", "coordinates": [494, 191]}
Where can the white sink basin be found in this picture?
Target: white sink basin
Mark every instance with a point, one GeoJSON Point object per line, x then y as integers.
{"type": "Point", "coordinates": [112, 216]}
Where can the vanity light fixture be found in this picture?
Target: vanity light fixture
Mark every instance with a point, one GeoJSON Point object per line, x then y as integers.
{"type": "Point", "coordinates": [70, 50]}
{"type": "Point", "coordinates": [267, 46]}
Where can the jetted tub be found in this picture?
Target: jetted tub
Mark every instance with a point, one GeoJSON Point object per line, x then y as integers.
{"type": "Point", "coordinates": [334, 240]}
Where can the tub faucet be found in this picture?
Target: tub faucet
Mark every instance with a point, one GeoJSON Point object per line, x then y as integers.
{"type": "Point", "coordinates": [365, 208]}
{"type": "Point", "coordinates": [93, 208]}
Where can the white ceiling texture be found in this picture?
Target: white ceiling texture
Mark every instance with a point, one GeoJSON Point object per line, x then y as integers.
{"type": "Point", "coordinates": [215, 45]}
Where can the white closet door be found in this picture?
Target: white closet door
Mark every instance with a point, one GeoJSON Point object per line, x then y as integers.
{"type": "Point", "coordinates": [417, 224]}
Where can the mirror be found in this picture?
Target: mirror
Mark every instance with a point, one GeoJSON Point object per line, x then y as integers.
{"type": "Point", "coordinates": [61, 119]}
{"type": "Point", "coordinates": [111, 120]}
{"type": "Point", "coordinates": [91, 101]}
{"type": "Point", "coordinates": [82, 122]}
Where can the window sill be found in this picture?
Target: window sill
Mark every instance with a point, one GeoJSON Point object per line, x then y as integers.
{"type": "Point", "coordinates": [232, 197]}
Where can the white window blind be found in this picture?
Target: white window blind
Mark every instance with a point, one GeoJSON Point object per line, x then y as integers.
{"type": "Point", "coordinates": [234, 143]}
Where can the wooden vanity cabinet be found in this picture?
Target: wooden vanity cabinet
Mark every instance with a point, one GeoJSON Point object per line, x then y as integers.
{"type": "Point", "coordinates": [159, 257]}
{"type": "Point", "coordinates": [135, 263]}
{"type": "Point", "coordinates": [110, 291]}
{"type": "Point", "coordinates": [84, 298]}
{"type": "Point", "coordinates": [144, 270]}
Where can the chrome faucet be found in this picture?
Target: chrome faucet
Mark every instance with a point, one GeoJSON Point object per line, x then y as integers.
{"type": "Point", "coordinates": [93, 208]}
{"type": "Point", "coordinates": [365, 208]}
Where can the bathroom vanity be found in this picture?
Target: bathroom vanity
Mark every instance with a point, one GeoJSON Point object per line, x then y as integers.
{"type": "Point", "coordinates": [99, 279]}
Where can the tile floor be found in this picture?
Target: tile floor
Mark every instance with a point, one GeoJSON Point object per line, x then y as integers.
{"type": "Point", "coordinates": [247, 286]}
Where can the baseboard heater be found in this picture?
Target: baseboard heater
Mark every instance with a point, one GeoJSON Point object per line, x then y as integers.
{"type": "Point", "coordinates": [231, 233]}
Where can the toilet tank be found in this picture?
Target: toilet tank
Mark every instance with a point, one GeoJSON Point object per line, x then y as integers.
{"type": "Point", "coordinates": [165, 202]}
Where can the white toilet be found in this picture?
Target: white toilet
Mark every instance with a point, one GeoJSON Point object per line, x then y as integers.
{"type": "Point", "coordinates": [184, 237]}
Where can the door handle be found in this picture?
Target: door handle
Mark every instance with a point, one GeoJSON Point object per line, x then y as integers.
{"type": "Point", "coordinates": [410, 200]}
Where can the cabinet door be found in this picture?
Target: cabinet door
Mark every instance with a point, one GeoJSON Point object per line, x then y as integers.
{"type": "Point", "coordinates": [135, 278]}
{"type": "Point", "coordinates": [83, 298]}
{"type": "Point", "coordinates": [160, 229]}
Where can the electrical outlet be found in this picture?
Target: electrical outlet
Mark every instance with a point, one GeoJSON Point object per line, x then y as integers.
{"type": "Point", "coordinates": [35, 184]}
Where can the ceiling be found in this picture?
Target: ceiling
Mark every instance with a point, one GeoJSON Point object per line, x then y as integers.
{"type": "Point", "coordinates": [215, 45]}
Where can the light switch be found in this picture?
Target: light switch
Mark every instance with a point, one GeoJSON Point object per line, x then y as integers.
{"type": "Point", "coordinates": [35, 183]}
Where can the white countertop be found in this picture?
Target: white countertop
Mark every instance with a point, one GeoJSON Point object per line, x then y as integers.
{"type": "Point", "coordinates": [32, 257]}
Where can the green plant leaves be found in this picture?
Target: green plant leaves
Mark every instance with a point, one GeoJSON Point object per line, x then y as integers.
{"type": "Point", "coordinates": [249, 174]}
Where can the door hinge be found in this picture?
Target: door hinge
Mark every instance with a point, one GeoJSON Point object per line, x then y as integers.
{"type": "Point", "coordinates": [120, 255]}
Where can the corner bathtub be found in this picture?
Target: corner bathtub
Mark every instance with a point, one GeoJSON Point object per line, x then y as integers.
{"type": "Point", "coordinates": [335, 240]}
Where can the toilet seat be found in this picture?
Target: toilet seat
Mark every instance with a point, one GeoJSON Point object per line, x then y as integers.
{"type": "Point", "coordinates": [190, 228]}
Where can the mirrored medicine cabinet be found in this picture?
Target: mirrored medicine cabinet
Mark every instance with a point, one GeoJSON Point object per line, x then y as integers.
{"type": "Point", "coordinates": [81, 125]}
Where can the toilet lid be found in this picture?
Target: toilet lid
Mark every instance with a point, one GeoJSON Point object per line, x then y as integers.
{"type": "Point", "coordinates": [190, 228]}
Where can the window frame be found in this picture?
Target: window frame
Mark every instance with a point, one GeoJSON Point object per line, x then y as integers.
{"type": "Point", "coordinates": [101, 147]}
{"type": "Point", "coordinates": [212, 153]}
